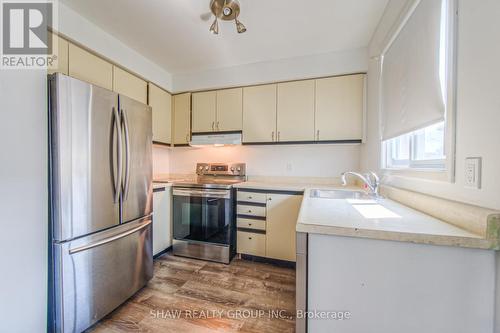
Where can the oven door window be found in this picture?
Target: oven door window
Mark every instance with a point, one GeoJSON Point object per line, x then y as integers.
{"type": "Point", "coordinates": [202, 219]}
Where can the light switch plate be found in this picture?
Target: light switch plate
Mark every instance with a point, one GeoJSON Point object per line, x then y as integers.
{"type": "Point", "coordinates": [473, 172]}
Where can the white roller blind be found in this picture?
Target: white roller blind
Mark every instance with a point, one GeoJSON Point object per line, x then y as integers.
{"type": "Point", "coordinates": [411, 90]}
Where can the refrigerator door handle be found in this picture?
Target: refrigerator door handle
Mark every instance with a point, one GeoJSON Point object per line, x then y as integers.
{"type": "Point", "coordinates": [108, 240]}
{"type": "Point", "coordinates": [118, 131]}
{"type": "Point", "coordinates": [126, 181]}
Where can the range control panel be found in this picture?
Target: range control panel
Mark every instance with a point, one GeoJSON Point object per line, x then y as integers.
{"type": "Point", "coordinates": [224, 169]}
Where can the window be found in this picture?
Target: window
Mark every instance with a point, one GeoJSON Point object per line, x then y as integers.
{"type": "Point", "coordinates": [415, 94]}
{"type": "Point", "coordinates": [422, 149]}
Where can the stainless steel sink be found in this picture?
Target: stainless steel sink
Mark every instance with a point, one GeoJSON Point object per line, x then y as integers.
{"type": "Point", "coordinates": [341, 194]}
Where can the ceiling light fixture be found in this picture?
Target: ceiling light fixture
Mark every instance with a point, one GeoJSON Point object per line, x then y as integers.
{"type": "Point", "coordinates": [214, 28]}
{"type": "Point", "coordinates": [240, 27]}
{"type": "Point", "coordinates": [226, 10]}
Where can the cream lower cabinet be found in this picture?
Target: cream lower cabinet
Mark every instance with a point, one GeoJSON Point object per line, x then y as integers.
{"type": "Point", "coordinates": [130, 85]}
{"type": "Point", "coordinates": [295, 111]}
{"type": "Point", "coordinates": [182, 117]}
{"type": "Point", "coordinates": [204, 111]}
{"type": "Point", "coordinates": [259, 113]}
{"type": "Point", "coordinates": [266, 223]}
{"type": "Point", "coordinates": [229, 110]}
{"type": "Point", "coordinates": [162, 219]}
{"type": "Point", "coordinates": [339, 108]}
{"type": "Point", "coordinates": [161, 105]}
{"type": "Point", "coordinates": [282, 214]}
{"type": "Point", "coordinates": [88, 67]}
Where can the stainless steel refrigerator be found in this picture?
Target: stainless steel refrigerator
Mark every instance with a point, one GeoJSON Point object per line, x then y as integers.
{"type": "Point", "coordinates": [100, 182]}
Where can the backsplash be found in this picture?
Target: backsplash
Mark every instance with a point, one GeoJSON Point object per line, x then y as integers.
{"type": "Point", "coordinates": [276, 160]}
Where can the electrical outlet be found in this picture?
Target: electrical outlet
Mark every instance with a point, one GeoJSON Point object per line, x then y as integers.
{"type": "Point", "coordinates": [473, 172]}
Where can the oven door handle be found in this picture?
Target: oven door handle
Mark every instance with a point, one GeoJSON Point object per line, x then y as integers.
{"type": "Point", "coordinates": [218, 194]}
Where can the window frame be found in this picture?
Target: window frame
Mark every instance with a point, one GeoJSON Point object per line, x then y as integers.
{"type": "Point", "coordinates": [411, 162]}
{"type": "Point", "coordinates": [419, 169]}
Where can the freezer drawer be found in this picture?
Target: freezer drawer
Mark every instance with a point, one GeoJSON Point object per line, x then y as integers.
{"type": "Point", "coordinates": [99, 272]}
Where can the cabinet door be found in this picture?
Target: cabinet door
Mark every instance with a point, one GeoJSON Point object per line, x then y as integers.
{"type": "Point", "coordinates": [182, 113]}
{"type": "Point", "coordinates": [282, 214]}
{"type": "Point", "coordinates": [259, 113]}
{"type": "Point", "coordinates": [85, 66]}
{"type": "Point", "coordinates": [130, 85]}
{"type": "Point", "coordinates": [339, 108]}
{"type": "Point", "coordinates": [204, 111]}
{"type": "Point", "coordinates": [162, 220]}
{"type": "Point", "coordinates": [229, 110]}
{"type": "Point", "coordinates": [161, 103]}
{"type": "Point", "coordinates": [61, 64]}
{"type": "Point", "coordinates": [295, 117]}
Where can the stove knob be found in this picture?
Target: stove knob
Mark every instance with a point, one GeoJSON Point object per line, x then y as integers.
{"type": "Point", "coordinates": [200, 167]}
{"type": "Point", "coordinates": [239, 169]}
{"type": "Point", "coordinates": [232, 169]}
{"type": "Point", "coordinates": [206, 168]}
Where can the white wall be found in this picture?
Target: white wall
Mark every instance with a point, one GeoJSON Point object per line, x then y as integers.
{"type": "Point", "coordinates": [281, 160]}
{"type": "Point", "coordinates": [336, 63]}
{"type": "Point", "coordinates": [81, 30]}
{"type": "Point", "coordinates": [161, 159]}
{"type": "Point", "coordinates": [23, 201]}
{"type": "Point", "coordinates": [478, 103]}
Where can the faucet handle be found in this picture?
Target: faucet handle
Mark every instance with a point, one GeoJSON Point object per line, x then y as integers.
{"type": "Point", "coordinates": [375, 177]}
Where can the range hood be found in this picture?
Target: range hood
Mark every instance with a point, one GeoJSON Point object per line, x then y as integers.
{"type": "Point", "coordinates": [216, 139]}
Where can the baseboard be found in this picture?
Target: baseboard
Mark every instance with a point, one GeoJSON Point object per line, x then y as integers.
{"type": "Point", "coordinates": [163, 252]}
{"type": "Point", "coordinates": [276, 262]}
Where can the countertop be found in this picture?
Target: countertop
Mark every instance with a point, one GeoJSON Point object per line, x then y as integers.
{"type": "Point", "coordinates": [273, 186]}
{"type": "Point", "coordinates": [383, 219]}
{"type": "Point", "coordinates": [161, 184]}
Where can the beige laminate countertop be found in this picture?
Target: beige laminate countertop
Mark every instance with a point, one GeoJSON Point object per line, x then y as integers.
{"type": "Point", "coordinates": [383, 219]}
{"type": "Point", "coordinates": [161, 184]}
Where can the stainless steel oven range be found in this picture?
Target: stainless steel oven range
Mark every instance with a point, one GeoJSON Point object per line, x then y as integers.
{"type": "Point", "coordinates": [204, 212]}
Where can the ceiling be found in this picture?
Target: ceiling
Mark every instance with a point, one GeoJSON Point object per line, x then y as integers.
{"type": "Point", "coordinates": [172, 34]}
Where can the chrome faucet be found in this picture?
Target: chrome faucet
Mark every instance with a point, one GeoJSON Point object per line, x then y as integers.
{"type": "Point", "coordinates": [371, 180]}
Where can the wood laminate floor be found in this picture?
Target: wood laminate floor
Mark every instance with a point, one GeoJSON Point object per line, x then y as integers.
{"type": "Point", "coordinates": [189, 295]}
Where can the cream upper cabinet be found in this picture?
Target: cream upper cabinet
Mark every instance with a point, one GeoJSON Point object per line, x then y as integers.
{"type": "Point", "coordinates": [182, 113]}
{"type": "Point", "coordinates": [229, 110]}
{"type": "Point", "coordinates": [339, 107]}
{"type": "Point", "coordinates": [130, 85]}
{"type": "Point", "coordinates": [161, 104]}
{"type": "Point", "coordinates": [295, 115]}
{"type": "Point", "coordinates": [85, 66]}
{"type": "Point", "coordinates": [282, 213]}
{"type": "Point", "coordinates": [204, 111]}
{"type": "Point", "coordinates": [61, 63]}
{"type": "Point", "coordinates": [259, 113]}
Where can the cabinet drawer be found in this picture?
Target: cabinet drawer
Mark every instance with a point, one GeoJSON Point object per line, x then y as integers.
{"type": "Point", "coordinates": [250, 224]}
{"type": "Point", "coordinates": [251, 243]}
{"type": "Point", "coordinates": [251, 197]}
{"type": "Point", "coordinates": [251, 210]}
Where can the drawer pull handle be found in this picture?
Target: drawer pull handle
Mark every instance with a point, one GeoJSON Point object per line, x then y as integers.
{"type": "Point", "coordinates": [250, 238]}
{"type": "Point", "coordinates": [250, 198]}
{"type": "Point", "coordinates": [249, 223]}
{"type": "Point", "coordinates": [249, 210]}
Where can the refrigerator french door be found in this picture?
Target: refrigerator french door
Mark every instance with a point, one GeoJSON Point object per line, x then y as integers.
{"type": "Point", "coordinates": [100, 201]}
